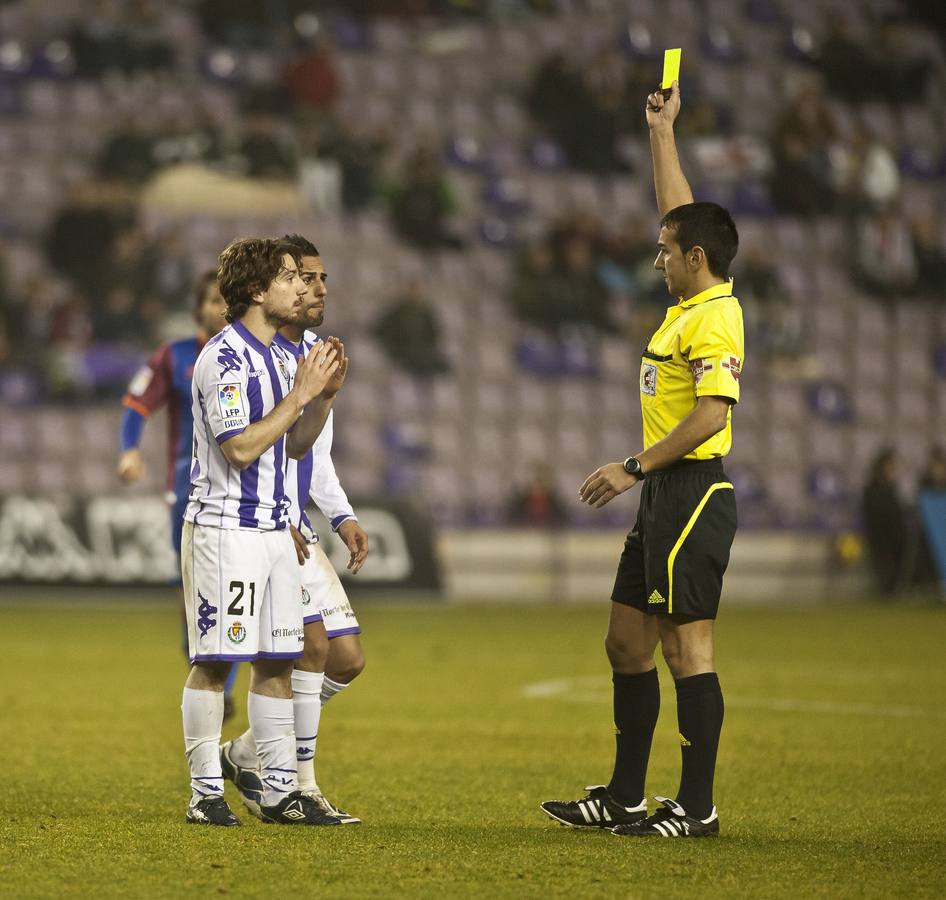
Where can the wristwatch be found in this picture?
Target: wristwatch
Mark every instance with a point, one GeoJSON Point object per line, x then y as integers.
{"type": "Point", "coordinates": [633, 467]}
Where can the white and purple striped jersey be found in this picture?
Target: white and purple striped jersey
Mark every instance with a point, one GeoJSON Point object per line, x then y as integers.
{"type": "Point", "coordinates": [237, 381]}
{"type": "Point", "coordinates": [314, 475]}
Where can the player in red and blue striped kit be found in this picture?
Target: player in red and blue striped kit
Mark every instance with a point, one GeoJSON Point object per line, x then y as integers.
{"type": "Point", "coordinates": [166, 381]}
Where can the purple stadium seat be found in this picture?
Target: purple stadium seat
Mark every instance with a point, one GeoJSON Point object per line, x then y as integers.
{"type": "Point", "coordinates": [506, 195]}
{"type": "Point", "coordinates": [830, 401]}
{"type": "Point", "coordinates": [546, 154]}
{"type": "Point", "coordinates": [465, 153]}
{"type": "Point", "coordinates": [827, 484]}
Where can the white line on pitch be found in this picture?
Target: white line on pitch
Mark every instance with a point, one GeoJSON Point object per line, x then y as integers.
{"type": "Point", "coordinates": [591, 689]}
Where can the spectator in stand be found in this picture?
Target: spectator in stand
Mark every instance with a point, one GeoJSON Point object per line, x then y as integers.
{"type": "Point", "coordinates": [537, 504]}
{"type": "Point", "coordinates": [886, 263]}
{"type": "Point", "coordinates": [581, 117]}
{"type": "Point", "coordinates": [802, 181]}
{"type": "Point", "coordinates": [360, 153]}
{"type": "Point", "coordinates": [265, 149]}
{"type": "Point", "coordinates": [581, 296]}
{"type": "Point", "coordinates": [888, 68]}
{"type": "Point", "coordinates": [125, 38]}
{"type": "Point", "coordinates": [80, 238]}
{"type": "Point", "coordinates": [534, 283]}
{"type": "Point", "coordinates": [929, 254]}
{"type": "Point", "coordinates": [932, 481]}
{"type": "Point", "coordinates": [884, 524]}
{"type": "Point", "coordinates": [775, 326]}
{"type": "Point", "coordinates": [867, 176]}
{"type": "Point", "coordinates": [421, 201]}
{"type": "Point", "coordinates": [312, 77]}
{"type": "Point", "coordinates": [410, 334]}
{"type": "Point", "coordinates": [129, 154]}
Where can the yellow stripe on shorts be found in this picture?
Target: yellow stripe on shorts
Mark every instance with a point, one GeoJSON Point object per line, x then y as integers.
{"type": "Point", "coordinates": [720, 485]}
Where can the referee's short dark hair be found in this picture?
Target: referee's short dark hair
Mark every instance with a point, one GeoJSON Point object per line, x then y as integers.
{"type": "Point", "coordinates": [709, 226]}
{"type": "Point", "coordinates": [302, 245]}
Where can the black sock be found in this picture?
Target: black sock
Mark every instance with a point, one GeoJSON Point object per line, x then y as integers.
{"type": "Point", "coordinates": [700, 717]}
{"type": "Point", "coordinates": [636, 706]}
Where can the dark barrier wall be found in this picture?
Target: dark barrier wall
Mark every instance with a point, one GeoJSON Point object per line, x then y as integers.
{"type": "Point", "coordinates": [125, 540]}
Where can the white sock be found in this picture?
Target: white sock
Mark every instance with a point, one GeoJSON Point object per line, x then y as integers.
{"type": "Point", "coordinates": [203, 718]}
{"type": "Point", "coordinates": [271, 724]}
{"type": "Point", "coordinates": [331, 688]}
{"type": "Point", "coordinates": [306, 709]}
{"type": "Point", "coordinates": [243, 751]}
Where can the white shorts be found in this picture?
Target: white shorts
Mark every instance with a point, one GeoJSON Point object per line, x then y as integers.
{"type": "Point", "coordinates": [242, 594]}
{"type": "Point", "coordinates": [323, 597]}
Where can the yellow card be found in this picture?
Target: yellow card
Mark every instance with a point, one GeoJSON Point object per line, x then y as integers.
{"type": "Point", "coordinates": [671, 67]}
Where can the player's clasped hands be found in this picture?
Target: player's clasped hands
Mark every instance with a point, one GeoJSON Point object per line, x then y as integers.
{"type": "Point", "coordinates": [334, 384]}
{"type": "Point", "coordinates": [604, 484]}
{"type": "Point", "coordinates": [317, 369]}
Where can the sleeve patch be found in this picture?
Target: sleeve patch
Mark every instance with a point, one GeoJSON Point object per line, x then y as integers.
{"type": "Point", "coordinates": [649, 379]}
{"type": "Point", "coordinates": [699, 368]}
{"type": "Point", "coordinates": [232, 404]}
{"type": "Point", "coordinates": [734, 364]}
{"type": "Point", "coordinates": [139, 384]}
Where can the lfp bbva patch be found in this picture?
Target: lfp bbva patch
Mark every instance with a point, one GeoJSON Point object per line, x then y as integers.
{"type": "Point", "coordinates": [230, 398]}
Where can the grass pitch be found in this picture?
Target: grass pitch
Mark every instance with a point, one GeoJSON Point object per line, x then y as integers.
{"type": "Point", "coordinates": [832, 774]}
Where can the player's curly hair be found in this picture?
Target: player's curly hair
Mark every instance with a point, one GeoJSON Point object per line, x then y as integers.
{"type": "Point", "coordinates": [709, 226]}
{"type": "Point", "coordinates": [304, 247]}
{"type": "Point", "coordinates": [247, 267]}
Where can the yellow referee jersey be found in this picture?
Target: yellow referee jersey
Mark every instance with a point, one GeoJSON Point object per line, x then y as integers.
{"type": "Point", "coordinates": [697, 352]}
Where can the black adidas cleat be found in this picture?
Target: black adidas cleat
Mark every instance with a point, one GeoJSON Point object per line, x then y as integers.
{"type": "Point", "coordinates": [598, 810]}
{"type": "Point", "coordinates": [326, 806]}
{"type": "Point", "coordinates": [247, 781]}
{"type": "Point", "coordinates": [211, 811]}
{"type": "Point", "coordinates": [297, 808]}
{"type": "Point", "coordinates": [671, 821]}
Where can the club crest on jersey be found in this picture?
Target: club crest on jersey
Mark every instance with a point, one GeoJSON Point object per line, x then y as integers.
{"type": "Point", "coordinates": [649, 379]}
{"type": "Point", "coordinates": [283, 369]}
{"type": "Point", "coordinates": [734, 364]}
{"type": "Point", "coordinates": [236, 633]}
{"type": "Point", "coordinates": [699, 367]}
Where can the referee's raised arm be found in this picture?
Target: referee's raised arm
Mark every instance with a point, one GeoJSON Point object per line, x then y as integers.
{"type": "Point", "coordinates": [670, 183]}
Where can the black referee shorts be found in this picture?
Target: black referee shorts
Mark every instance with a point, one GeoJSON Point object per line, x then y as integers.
{"type": "Point", "coordinates": [674, 559]}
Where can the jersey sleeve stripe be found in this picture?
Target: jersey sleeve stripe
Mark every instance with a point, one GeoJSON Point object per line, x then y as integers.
{"type": "Point", "coordinates": [136, 405]}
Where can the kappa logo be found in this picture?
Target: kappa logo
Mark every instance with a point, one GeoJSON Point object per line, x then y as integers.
{"type": "Point", "coordinates": [204, 613]}
{"type": "Point", "coordinates": [656, 597]}
{"type": "Point", "coordinates": [228, 359]}
{"type": "Point", "coordinates": [649, 379]}
{"type": "Point", "coordinates": [734, 364]}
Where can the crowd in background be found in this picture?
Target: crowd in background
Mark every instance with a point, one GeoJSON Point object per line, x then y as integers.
{"type": "Point", "coordinates": [111, 283]}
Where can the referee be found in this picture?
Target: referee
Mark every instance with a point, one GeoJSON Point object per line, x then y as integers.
{"type": "Point", "coordinates": [670, 575]}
